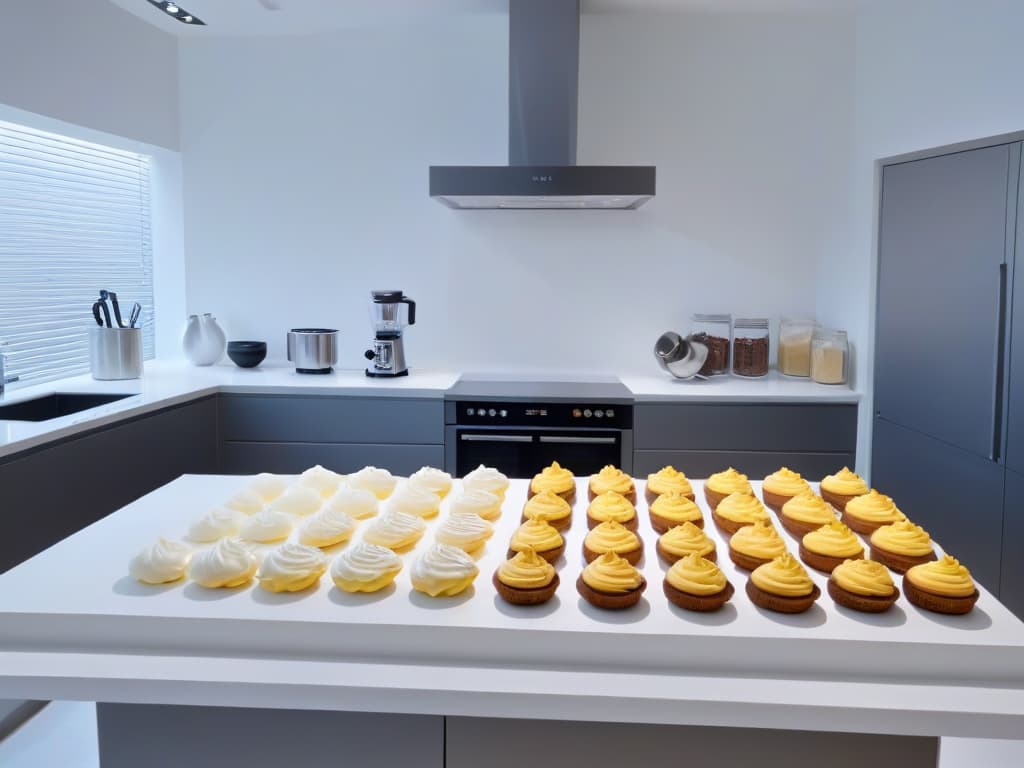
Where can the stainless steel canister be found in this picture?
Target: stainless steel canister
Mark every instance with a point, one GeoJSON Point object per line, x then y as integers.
{"type": "Point", "coordinates": [115, 353]}
{"type": "Point", "coordinates": [313, 350]}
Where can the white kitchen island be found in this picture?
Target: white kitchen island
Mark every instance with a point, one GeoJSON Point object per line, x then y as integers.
{"type": "Point", "coordinates": [448, 672]}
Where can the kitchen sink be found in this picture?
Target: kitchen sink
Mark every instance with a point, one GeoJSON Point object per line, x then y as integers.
{"type": "Point", "coordinates": [53, 406]}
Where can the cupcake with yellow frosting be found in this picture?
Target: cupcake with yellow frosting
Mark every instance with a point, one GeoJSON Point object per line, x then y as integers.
{"type": "Point", "coordinates": [614, 537]}
{"type": "Point", "coordinates": [665, 480]}
{"type": "Point", "coordinates": [610, 582]}
{"type": "Point", "coordinates": [901, 546]}
{"type": "Point", "coordinates": [611, 478]}
{"type": "Point", "coordinates": [673, 508]}
{"type": "Point", "coordinates": [754, 545]}
{"type": "Point", "coordinates": [844, 485]}
{"type": "Point", "coordinates": [549, 507]}
{"type": "Point", "coordinates": [781, 486]}
{"type": "Point", "coordinates": [611, 506]}
{"type": "Point", "coordinates": [539, 536]}
{"type": "Point", "coordinates": [782, 586]}
{"type": "Point", "coordinates": [526, 579]}
{"type": "Point", "coordinates": [721, 484]}
{"type": "Point", "coordinates": [862, 585]}
{"type": "Point", "coordinates": [554, 478]}
{"type": "Point", "coordinates": [737, 510]}
{"type": "Point", "coordinates": [696, 584]}
{"type": "Point", "coordinates": [943, 586]}
{"type": "Point", "coordinates": [827, 547]}
{"type": "Point", "coordinates": [686, 539]}
{"type": "Point", "coordinates": [866, 514]}
{"type": "Point", "coordinates": [806, 512]}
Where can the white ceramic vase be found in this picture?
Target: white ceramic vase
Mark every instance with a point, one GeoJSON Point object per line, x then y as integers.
{"type": "Point", "coordinates": [204, 340]}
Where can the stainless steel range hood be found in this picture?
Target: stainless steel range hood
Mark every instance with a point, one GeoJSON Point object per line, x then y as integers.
{"type": "Point", "coordinates": [544, 46]}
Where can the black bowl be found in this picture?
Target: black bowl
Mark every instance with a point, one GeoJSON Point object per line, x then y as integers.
{"type": "Point", "coordinates": [247, 354]}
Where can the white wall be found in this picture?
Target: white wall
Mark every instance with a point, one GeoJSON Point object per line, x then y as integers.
{"type": "Point", "coordinates": [90, 64]}
{"type": "Point", "coordinates": [929, 73]}
{"type": "Point", "coordinates": [305, 173]}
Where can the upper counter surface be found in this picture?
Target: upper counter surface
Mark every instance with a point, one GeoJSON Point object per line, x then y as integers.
{"type": "Point", "coordinates": [172, 383]}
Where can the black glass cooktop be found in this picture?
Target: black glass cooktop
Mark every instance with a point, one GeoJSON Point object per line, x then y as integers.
{"type": "Point", "coordinates": [474, 387]}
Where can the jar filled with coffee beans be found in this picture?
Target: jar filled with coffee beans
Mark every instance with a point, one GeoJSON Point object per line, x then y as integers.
{"type": "Point", "coordinates": [713, 330]}
{"type": "Point", "coordinates": [750, 346]}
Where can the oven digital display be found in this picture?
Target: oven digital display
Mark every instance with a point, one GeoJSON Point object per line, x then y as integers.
{"type": "Point", "coordinates": [536, 411]}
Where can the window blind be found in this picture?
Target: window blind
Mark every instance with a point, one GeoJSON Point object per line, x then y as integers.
{"type": "Point", "coordinates": [74, 218]}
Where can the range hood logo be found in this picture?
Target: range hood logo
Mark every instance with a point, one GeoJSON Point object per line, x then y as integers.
{"type": "Point", "coordinates": [544, 179]}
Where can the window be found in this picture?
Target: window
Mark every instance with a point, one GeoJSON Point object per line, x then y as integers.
{"type": "Point", "coordinates": [74, 218]}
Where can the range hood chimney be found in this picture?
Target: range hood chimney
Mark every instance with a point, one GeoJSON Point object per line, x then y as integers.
{"type": "Point", "coordinates": [543, 94]}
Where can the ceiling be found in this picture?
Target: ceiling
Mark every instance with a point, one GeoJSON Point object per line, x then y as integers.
{"type": "Point", "coordinates": [250, 17]}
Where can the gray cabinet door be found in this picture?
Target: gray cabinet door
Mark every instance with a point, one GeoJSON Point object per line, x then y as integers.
{"type": "Point", "coordinates": [942, 242]}
{"type": "Point", "coordinates": [1015, 411]}
{"type": "Point", "coordinates": [1011, 585]}
{"type": "Point", "coordinates": [293, 458]}
{"type": "Point", "coordinates": [956, 495]}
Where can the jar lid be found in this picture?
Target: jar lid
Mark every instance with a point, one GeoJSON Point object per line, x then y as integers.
{"type": "Point", "coordinates": [751, 322]}
{"type": "Point", "coordinates": [712, 318]}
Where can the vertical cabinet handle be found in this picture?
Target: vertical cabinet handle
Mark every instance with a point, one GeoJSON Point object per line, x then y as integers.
{"type": "Point", "coordinates": [997, 409]}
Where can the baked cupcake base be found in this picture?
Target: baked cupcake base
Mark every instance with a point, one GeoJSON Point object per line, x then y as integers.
{"type": "Point", "coordinates": [863, 527]}
{"type": "Point", "coordinates": [798, 528]}
{"type": "Point", "coordinates": [651, 496]}
{"type": "Point", "coordinates": [632, 557]}
{"type": "Point", "coordinates": [938, 603]}
{"type": "Point", "coordinates": [900, 563]}
{"type": "Point", "coordinates": [558, 525]}
{"type": "Point", "coordinates": [662, 524]}
{"type": "Point", "coordinates": [569, 496]}
{"type": "Point", "coordinates": [774, 501]}
{"type": "Point", "coordinates": [702, 603]}
{"type": "Point", "coordinates": [518, 596]}
{"type": "Point", "coordinates": [607, 600]}
{"type": "Point", "coordinates": [631, 495]}
{"type": "Point", "coordinates": [746, 562]}
{"type": "Point", "coordinates": [670, 558]}
{"type": "Point", "coordinates": [838, 500]}
{"type": "Point", "coordinates": [862, 603]}
{"type": "Point", "coordinates": [548, 554]}
{"type": "Point", "coordinates": [824, 563]}
{"type": "Point", "coordinates": [713, 498]}
{"type": "Point", "coordinates": [725, 525]}
{"type": "Point", "coordinates": [632, 524]}
{"type": "Point", "coordinates": [780, 603]}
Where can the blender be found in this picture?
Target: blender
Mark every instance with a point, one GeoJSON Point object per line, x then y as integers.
{"type": "Point", "coordinates": [390, 312]}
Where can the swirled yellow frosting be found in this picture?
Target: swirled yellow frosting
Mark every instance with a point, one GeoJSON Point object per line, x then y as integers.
{"type": "Point", "coordinates": [864, 577]}
{"type": "Point", "coordinates": [874, 507]}
{"type": "Point", "coordinates": [611, 478]}
{"type": "Point", "coordinates": [944, 577]}
{"type": "Point", "coordinates": [611, 536]}
{"type": "Point", "coordinates": [668, 479]}
{"type": "Point", "coordinates": [685, 539]}
{"type": "Point", "coordinates": [742, 508]}
{"type": "Point", "coordinates": [676, 508]}
{"type": "Point", "coordinates": [696, 576]}
{"type": "Point", "coordinates": [527, 570]}
{"type": "Point", "coordinates": [729, 481]}
{"type": "Point", "coordinates": [759, 540]}
{"type": "Point", "coordinates": [539, 535]}
{"type": "Point", "coordinates": [612, 574]}
{"type": "Point", "coordinates": [783, 576]}
{"type": "Point", "coordinates": [785, 482]}
{"type": "Point", "coordinates": [611, 506]}
{"type": "Point", "coordinates": [844, 482]}
{"type": "Point", "coordinates": [809, 507]}
{"type": "Point", "coordinates": [553, 478]}
{"type": "Point", "coordinates": [902, 538]}
{"type": "Point", "coordinates": [547, 506]}
{"type": "Point", "coordinates": [833, 540]}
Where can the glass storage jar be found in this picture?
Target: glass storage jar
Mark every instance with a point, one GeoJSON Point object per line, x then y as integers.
{"type": "Point", "coordinates": [714, 331]}
{"type": "Point", "coordinates": [830, 356]}
{"type": "Point", "coordinates": [795, 346]}
{"type": "Point", "coordinates": [750, 346]}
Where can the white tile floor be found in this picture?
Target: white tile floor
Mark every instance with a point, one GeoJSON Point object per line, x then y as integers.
{"type": "Point", "coordinates": [64, 735]}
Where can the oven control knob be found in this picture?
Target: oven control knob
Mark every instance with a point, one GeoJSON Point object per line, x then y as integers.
{"type": "Point", "coordinates": [599, 413]}
{"type": "Point", "coordinates": [503, 413]}
{"type": "Point", "coordinates": [470, 411]}
{"type": "Point", "coordinates": [610, 413]}
{"type": "Point", "coordinates": [576, 413]}
{"type": "Point", "coordinates": [587, 413]}
{"type": "Point", "coordinates": [492, 413]}
{"type": "Point", "coordinates": [481, 412]}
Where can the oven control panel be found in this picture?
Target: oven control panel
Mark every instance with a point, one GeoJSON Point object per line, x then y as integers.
{"type": "Point", "coordinates": [546, 414]}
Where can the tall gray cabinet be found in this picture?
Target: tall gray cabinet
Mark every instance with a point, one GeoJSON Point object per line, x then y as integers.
{"type": "Point", "coordinates": [947, 420]}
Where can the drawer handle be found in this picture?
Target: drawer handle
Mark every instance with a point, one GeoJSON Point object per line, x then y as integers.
{"type": "Point", "coordinates": [496, 438]}
{"type": "Point", "coordinates": [567, 439]}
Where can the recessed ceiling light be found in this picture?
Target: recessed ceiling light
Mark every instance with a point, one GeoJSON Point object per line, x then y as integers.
{"type": "Point", "coordinates": [175, 10]}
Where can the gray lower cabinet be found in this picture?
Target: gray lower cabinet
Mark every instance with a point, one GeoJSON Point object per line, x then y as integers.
{"type": "Point", "coordinates": [1011, 585]}
{"type": "Point", "coordinates": [756, 439]}
{"type": "Point", "coordinates": [51, 492]}
{"type": "Point", "coordinates": [954, 494]}
{"type": "Point", "coordinates": [290, 433]}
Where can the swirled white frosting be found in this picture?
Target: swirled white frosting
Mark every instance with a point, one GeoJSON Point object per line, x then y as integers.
{"type": "Point", "coordinates": [394, 530]}
{"type": "Point", "coordinates": [227, 564]}
{"type": "Point", "coordinates": [291, 567]}
{"type": "Point", "coordinates": [327, 528]}
{"type": "Point", "coordinates": [323, 481]}
{"type": "Point", "coordinates": [268, 525]}
{"type": "Point", "coordinates": [163, 561]}
{"type": "Point", "coordinates": [246, 501]}
{"type": "Point", "coordinates": [414, 501]}
{"type": "Point", "coordinates": [443, 569]}
{"type": "Point", "coordinates": [477, 501]}
{"type": "Point", "coordinates": [431, 479]}
{"type": "Point", "coordinates": [365, 563]}
{"type": "Point", "coordinates": [216, 524]}
{"type": "Point", "coordinates": [486, 479]}
{"type": "Point", "coordinates": [379, 482]}
{"type": "Point", "coordinates": [298, 500]}
{"type": "Point", "coordinates": [268, 486]}
{"type": "Point", "coordinates": [357, 503]}
{"type": "Point", "coordinates": [467, 532]}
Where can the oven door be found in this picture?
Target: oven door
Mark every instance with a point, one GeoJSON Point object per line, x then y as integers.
{"type": "Point", "coordinates": [523, 453]}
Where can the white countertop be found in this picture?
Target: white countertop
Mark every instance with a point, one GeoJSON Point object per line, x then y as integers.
{"type": "Point", "coordinates": [773, 388]}
{"type": "Point", "coordinates": [74, 625]}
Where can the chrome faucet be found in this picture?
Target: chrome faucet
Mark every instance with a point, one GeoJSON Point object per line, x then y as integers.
{"type": "Point", "coordinates": [4, 378]}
